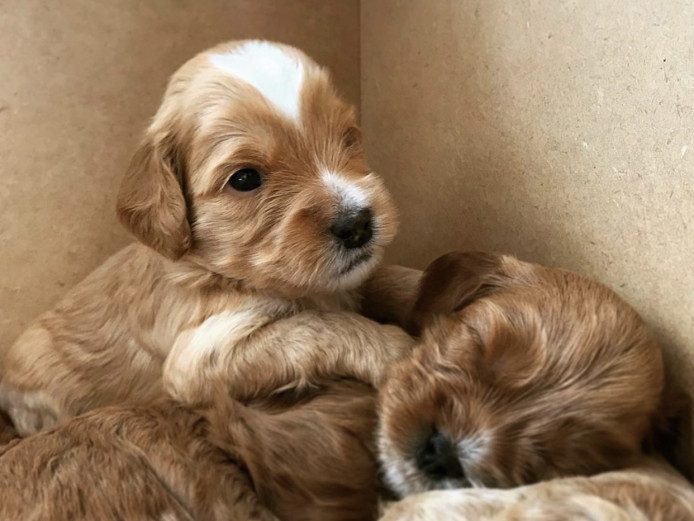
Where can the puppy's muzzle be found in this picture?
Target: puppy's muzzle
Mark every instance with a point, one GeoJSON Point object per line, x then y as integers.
{"type": "Point", "coordinates": [353, 229]}
{"type": "Point", "coordinates": [437, 458]}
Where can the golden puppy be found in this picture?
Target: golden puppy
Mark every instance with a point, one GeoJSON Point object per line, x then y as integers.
{"type": "Point", "coordinates": [290, 459]}
{"type": "Point", "coordinates": [650, 491]}
{"type": "Point", "coordinates": [523, 373]}
{"type": "Point", "coordinates": [251, 202]}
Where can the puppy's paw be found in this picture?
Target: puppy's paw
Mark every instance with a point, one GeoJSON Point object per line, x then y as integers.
{"type": "Point", "coordinates": [400, 341]}
{"type": "Point", "coordinates": [30, 412]}
{"type": "Point", "coordinates": [183, 373]}
{"type": "Point", "coordinates": [419, 507]}
{"type": "Point", "coordinates": [396, 345]}
{"type": "Point", "coordinates": [205, 354]}
{"type": "Point", "coordinates": [451, 505]}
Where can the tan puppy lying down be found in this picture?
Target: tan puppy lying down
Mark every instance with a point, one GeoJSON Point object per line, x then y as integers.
{"type": "Point", "coordinates": [307, 459]}
{"type": "Point", "coordinates": [252, 202]}
{"type": "Point", "coordinates": [522, 373]}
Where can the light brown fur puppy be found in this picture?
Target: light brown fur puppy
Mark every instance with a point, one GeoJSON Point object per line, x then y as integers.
{"type": "Point", "coordinates": [306, 459]}
{"type": "Point", "coordinates": [523, 373]}
{"type": "Point", "coordinates": [256, 216]}
{"type": "Point", "coordinates": [650, 491]}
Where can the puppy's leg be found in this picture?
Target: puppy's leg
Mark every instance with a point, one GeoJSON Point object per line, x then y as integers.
{"type": "Point", "coordinates": [388, 296]}
{"type": "Point", "coordinates": [255, 356]}
{"type": "Point", "coordinates": [52, 373]}
{"type": "Point", "coordinates": [539, 503]}
{"type": "Point", "coordinates": [453, 505]}
{"type": "Point", "coordinates": [7, 430]}
{"type": "Point", "coordinates": [30, 384]}
{"type": "Point", "coordinates": [652, 491]}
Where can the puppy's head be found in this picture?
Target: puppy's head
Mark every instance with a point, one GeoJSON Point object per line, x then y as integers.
{"type": "Point", "coordinates": [253, 170]}
{"type": "Point", "coordinates": [309, 457]}
{"type": "Point", "coordinates": [522, 373]}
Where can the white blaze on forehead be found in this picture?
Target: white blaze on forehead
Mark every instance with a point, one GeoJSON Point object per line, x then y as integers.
{"type": "Point", "coordinates": [348, 192]}
{"type": "Point", "coordinates": [271, 70]}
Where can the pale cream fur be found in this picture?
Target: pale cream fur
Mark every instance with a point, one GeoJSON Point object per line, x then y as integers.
{"type": "Point", "coordinates": [222, 277]}
{"type": "Point", "coordinates": [649, 492]}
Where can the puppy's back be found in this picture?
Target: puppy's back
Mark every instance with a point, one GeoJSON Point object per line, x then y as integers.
{"type": "Point", "coordinates": [295, 457]}
{"type": "Point", "coordinates": [119, 463]}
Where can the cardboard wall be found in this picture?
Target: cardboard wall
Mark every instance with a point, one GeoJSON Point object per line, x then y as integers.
{"type": "Point", "coordinates": [78, 81]}
{"type": "Point", "coordinates": [561, 131]}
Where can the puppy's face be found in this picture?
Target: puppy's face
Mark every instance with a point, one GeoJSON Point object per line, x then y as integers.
{"type": "Point", "coordinates": [253, 169]}
{"type": "Point", "coordinates": [523, 373]}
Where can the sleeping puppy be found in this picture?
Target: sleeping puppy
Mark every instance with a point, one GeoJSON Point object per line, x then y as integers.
{"type": "Point", "coordinates": [252, 203]}
{"type": "Point", "coordinates": [294, 459]}
{"type": "Point", "coordinates": [522, 373]}
{"type": "Point", "coordinates": [650, 491]}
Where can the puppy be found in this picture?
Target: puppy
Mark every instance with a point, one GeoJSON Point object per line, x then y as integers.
{"type": "Point", "coordinates": [252, 203]}
{"type": "Point", "coordinates": [294, 459]}
{"type": "Point", "coordinates": [651, 491]}
{"type": "Point", "coordinates": [522, 373]}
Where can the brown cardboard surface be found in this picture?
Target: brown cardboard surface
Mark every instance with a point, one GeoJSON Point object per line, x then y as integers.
{"type": "Point", "coordinates": [561, 131]}
{"type": "Point", "coordinates": [78, 81]}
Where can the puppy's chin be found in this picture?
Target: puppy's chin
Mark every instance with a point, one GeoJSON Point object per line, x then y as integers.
{"type": "Point", "coordinates": [339, 273]}
{"type": "Point", "coordinates": [329, 269]}
{"type": "Point", "coordinates": [352, 271]}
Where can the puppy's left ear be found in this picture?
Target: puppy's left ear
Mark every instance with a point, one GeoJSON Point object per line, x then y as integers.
{"type": "Point", "coordinates": [389, 294]}
{"type": "Point", "coordinates": [151, 204]}
{"type": "Point", "coordinates": [455, 280]}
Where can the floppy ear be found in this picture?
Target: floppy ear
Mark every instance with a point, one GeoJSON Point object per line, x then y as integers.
{"type": "Point", "coordinates": [453, 281]}
{"type": "Point", "coordinates": [388, 295]}
{"type": "Point", "coordinates": [151, 203]}
{"type": "Point", "coordinates": [673, 435]}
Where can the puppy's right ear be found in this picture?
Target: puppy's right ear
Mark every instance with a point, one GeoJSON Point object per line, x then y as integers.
{"type": "Point", "coordinates": [453, 281]}
{"type": "Point", "coordinates": [151, 204]}
{"type": "Point", "coordinates": [673, 435]}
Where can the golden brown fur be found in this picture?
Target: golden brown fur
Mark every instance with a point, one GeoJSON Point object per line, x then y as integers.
{"type": "Point", "coordinates": [218, 275]}
{"type": "Point", "coordinates": [522, 373]}
{"type": "Point", "coordinates": [312, 459]}
{"type": "Point", "coordinates": [389, 294]}
{"type": "Point", "coordinates": [293, 459]}
{"type": "Point", "coordinates": [650, 491]}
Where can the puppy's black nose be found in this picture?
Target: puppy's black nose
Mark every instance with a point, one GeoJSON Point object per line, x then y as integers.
{"type": "Point", "coordinates": [438, 459]}
{"type": "Point", "coordinates": [353, 230]}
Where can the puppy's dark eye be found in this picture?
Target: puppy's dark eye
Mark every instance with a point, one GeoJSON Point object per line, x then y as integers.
{"type": "Point", "coordinates": [245, 180]}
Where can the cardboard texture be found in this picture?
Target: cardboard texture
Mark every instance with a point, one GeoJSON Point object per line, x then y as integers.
{"type": "Point", "coordinates": [80, 81]}
{"type": "Point", "coordinates": [561, 131]}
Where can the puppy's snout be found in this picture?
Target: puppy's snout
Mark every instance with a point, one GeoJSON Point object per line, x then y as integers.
{"type": "Point", "coordinates": [437, 458]}
{"type": "Point", "coordinates": [353, 230]}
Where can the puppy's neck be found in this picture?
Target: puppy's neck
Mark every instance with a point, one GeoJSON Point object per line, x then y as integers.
{"type": "Point", "coordinates": [191, 275]}
{"type": "Point", "coordinates": [187, 273]}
